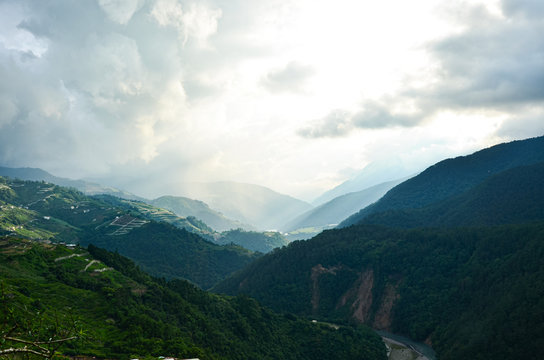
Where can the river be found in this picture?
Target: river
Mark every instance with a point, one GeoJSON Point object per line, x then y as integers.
{"type": "Point", "coordinates": [421, 348]}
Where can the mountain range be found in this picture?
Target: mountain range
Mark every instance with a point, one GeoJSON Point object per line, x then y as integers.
{"type": "Point", "coordinates": [221, 205]}
{"type": "Point", "coordinates": [86, 187]}
{"type": "Point", "coordinates": [47, 212]}
{"type": "Point", "coordinates": [331, 213]}
{"type": "Point", "coordinates": [454, 176]}
{"type": "Point", "coordinates": [452, 257]}
{"type": "Point", "coordinates": [252, 204]}
{"type": "Point", "coordinates": [184, 207]}
{"type": "Point", "coordinates": [373, 174]}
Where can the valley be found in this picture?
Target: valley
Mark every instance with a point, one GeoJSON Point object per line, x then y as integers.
{"type": "Point", "coordinates": [455, 264]}
{"type": "Point", "coordinates": [271, 180]}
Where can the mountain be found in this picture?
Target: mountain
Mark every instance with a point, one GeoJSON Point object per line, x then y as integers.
{"type": "Point", "coordinates": [185, 207]}
{"type": "Point", "coordinates": [256, 241]}
{"type": "Point", "coordinates": [158, 214]}
{"type": "Point", "coordinates": [252, 240]}
{"type": "Point", "coordinates": [467, 275]}
{"type": "Point", "coordinates": [239, 205]}
{"type": "Point", "coordinates": [473, 293]}
{"type": "Point", "coordinates": [88, 188]}
{"type": "Point", "coordinates": [43, 211]}
{"type": "Point", "coordinates": [251, 204]}
{"type": "Point", "coordinates": [509, 197]}
{"type": "Point", "coordinates": [454, 176]}
{"type": "Point", "coordinates": [333, 212]}
{"type": "Point", "coordinates": [192, 215]}
{"type": "Point", "coordinates": [373, 174]}
{"type": "Point", "coordinates": [90, 303]}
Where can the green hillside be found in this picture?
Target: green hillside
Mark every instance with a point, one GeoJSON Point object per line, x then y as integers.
{"type": "Point", "coordinates": [43, 211]}
{"type": "Point", "coordinates": [158, 214]}
{"type": "Point", "coordinates": [166, 251]}
{"type": "Point", "coordinates": [251, 240]}
{"type": "Point", "coordinates": [87, 187]}
{"type": "Point", "coordinates": [106, 307]}
{"type": "Point", "coordinates": [512, 196]}
{"type": "Point", "coordinates": [185, 207]}
{"type": "Point", "coordinates": [192, 215]}
{"type": "Point", "coordinates": [256, 241]}
{"type": "Point", "coordinates": [472, 293]}
{"type": "Point", "coordinates": [468, 277]}
{"type": "Point", "coordinates": [454, 176]}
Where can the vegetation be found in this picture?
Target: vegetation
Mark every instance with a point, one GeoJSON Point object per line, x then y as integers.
{"type": "Point", "coordinates": [166, 251]}
{"type": "Point", "coordinates": [474, 292]}
{"type": "Point", "coordinates": [43, 211]}
{"type": "Point", "coordinates": [185, 207]}
{"type": "Point", "coordinates": [118, 311]}
{"type": "Point", "coordinates": [256, 241]}
{"type": "Point", "coordinates": [140, 208]}
{"type": "Point", "coordinates": [252, 240]}
{"type": "Point", "coordinates": [452, 177]}
{"type": "Point", "coordinates": [512, 196]}
{"type": "Point", "coordinates": [467, 276]}
{"type": "Point", "coordinates": [462, 288]}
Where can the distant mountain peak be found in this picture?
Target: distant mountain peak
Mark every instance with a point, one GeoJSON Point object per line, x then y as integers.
{"type": "Point", "coordinates": [375, 173]}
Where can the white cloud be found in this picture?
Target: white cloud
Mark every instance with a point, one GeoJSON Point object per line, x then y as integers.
{"type": "Point", "coordinates": [223, 90]}
{"type": "Point", "coordinates": [195, 20]}
{"type": "Point", "coordinates": [293, 77]}
{"type": "Point", "coordinates": [120, 11]}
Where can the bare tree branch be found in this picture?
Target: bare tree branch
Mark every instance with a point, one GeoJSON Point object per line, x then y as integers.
{"type": "Point", "coordinates": [24, 350]}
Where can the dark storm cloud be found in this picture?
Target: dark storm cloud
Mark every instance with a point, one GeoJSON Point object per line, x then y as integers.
{"type": "Point", "coordinates": [498, 64]}
{"type": "Point", "coordinates": [528, 8]}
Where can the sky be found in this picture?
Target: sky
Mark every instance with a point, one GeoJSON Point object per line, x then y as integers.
{"type": "Point", "coordinates": [295, 95]}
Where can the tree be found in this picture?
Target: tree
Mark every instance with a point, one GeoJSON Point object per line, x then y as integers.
{"type": "Point", "coordinates": [29, 330]}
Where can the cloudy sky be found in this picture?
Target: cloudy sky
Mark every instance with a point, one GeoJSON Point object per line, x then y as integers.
{"type": "Point", "coordinates": [296, 95]}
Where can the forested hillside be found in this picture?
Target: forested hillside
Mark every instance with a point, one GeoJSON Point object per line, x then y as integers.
{"type": "Point", "coordinates": [96, 303]}
{"type": "Point", "coordinates": [513, 196]}
{"type": "Point", "coordinates": [472, 293]}
{"type": "Point", "coordinates": [43, 211]}
{"type": "Point", "coordinates": [452, 177]}
{"type": "Point", "coordinates": [467, 275]}
{"type": "Point", "coordinates": [251, 240]}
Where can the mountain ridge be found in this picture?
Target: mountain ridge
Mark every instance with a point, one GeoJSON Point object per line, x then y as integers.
{"type": "Point", "coordinates": [334, 211]}
{"type": "Point", "coordinates": [253, 204]}
{"type": "Point", "coordinates": [375, 173]}
{"type": "Point", "coordinates": [520, 194]}
{"type": "Point", "coordinates": [47, 212]}
{"type": "Point", "coordinates": [467, 273]}
{"type": "Point", "coordinates": [454, 176]}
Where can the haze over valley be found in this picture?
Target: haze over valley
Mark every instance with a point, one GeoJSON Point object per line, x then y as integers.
{"type": "Point", "coordinates": [281, 179]}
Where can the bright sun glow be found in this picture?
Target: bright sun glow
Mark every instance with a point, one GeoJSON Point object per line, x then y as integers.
{"type": "Point", "coordinates": [297, 95]}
